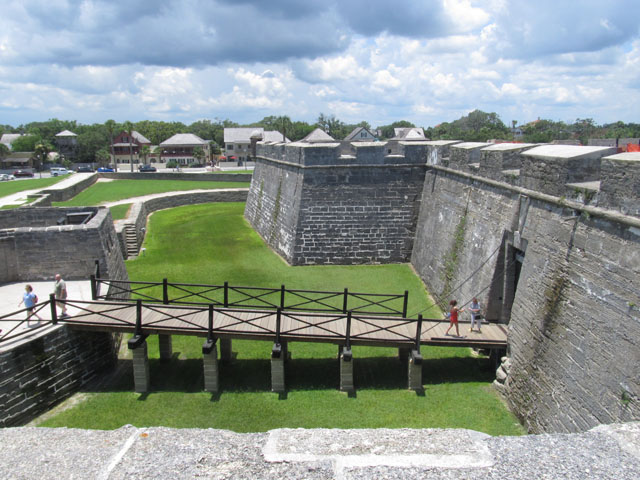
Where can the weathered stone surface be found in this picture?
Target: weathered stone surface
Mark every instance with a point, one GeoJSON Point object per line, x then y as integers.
{"type": "Point", "coordinates": [36, 375]}
{"type": "Point", "coordinates": [608, 453]}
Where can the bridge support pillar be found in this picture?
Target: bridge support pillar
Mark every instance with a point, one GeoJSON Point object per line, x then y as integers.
{"type": "Point", "coordinates": [415, 371]}
{"type": "Point", "coordinates": [166, 347]}
{"type": "Point", "coordinates": [403, 354]}
{"type": "Point", "coordinates": [346, 370]}
{"type": "Point", "coordinates": [141, 368]}
{"type": "Point", "coordinates": [210, 363]}
{"type": "Point", "coordinates": [277, 369]}
{"type": "Point", "coordinates": [225, 350]}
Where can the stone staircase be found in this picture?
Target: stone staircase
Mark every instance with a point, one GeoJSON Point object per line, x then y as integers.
{"type": "Point", "coordinates": [131, 240]}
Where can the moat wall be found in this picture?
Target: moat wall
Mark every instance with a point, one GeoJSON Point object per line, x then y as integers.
{"type": "Point", "coordinates": [315, 206]}
{"type": "Point", "coordinates": [39, 373]}
{"type": "Point", "coordinates": [560, 271]}
{"type": "Point", "coordinates": [574, 324]}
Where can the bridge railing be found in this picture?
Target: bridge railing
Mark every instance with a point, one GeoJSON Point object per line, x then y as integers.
{"type": "Point", "coordinates": [231, 296]}
{"type": "Point", "coordinates": [150, 318]}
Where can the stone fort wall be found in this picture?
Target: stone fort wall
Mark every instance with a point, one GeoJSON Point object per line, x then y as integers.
{"type": "Point", "coordinates": [35, 247]}
{"type": "Point", "coordinates": [557, 261]}
{"type": "Point", "coordinates": [316, 206]}
{"type": "Point", "coordinates": [38, 374]}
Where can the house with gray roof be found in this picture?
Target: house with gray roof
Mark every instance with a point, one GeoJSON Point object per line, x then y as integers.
{"type": "Point", "coordinates": [360, 134]}
{"type": "Point", "coordinates": [182, 149]}
{"type": "Point", "coordinates": [409, 134]}
{"type": "Point", "coordinates": [125, 148]}
{"type": "Point", "coordinates": [318, 136]}
{"type": "Point", "coordinates": [9, 138]}
{"type": "Point", "coordinates": [237, 141]}
{"type": "Point", "coordinates": [67, 143]}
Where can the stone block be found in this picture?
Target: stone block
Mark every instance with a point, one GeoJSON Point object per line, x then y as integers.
{"type": "Point", "coordinates": [226, 354]}
{"type": "Point", "coordinates": [211, 374]}
{"type": "Point", "coordinates": [165, 346]}
{"type": "Point", "coordinates": [141, 377]}
{"type": "Point", "coordinates": [415, 371]}
{"type": "Point", "coordinates": [346, 370]}
{"type": "Point", "coordinates": [277, 374]}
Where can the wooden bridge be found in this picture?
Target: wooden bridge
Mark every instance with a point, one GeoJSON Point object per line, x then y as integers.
{"type": "Point", "coordinates": [225, 313]}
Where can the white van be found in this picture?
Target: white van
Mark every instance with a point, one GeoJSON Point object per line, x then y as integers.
{"type": "Point", "coordinates": [55, 171]}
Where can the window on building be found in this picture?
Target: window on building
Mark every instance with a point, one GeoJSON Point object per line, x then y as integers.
{"type": "Point", "coordinates": [363, 134]}
{"type": "Point", "coordinates": [230, 146]}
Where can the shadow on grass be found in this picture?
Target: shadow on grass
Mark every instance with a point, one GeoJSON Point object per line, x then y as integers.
{"type": "Point", "coordinates": [254, 375]}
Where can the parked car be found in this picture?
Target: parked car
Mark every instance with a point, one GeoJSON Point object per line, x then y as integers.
{"type": "Point", "coordinates": [147, 168]}
{"type": "Point", "coordinates": [5, 177]}
{"type": "Point", "coordinates": [22, 173]}
{"type": "Point", "coordinates": [55, 171]}
{"type": "Point", "coordinates": [105, 169]}
{"type": "Point", "coordinates": [85, 170]}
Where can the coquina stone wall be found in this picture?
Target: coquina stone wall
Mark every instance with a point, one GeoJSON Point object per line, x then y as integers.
{"type": "Point", "coordinates": [39, 248]}
{"type": "Point", "coordinates": [542, 235]}
{"type": "Point", "coordinates": [36, 375]}
{"type": "Point", "coordinates": [574, 324]}
{"type": "Point", "coordinates": [316, 206]}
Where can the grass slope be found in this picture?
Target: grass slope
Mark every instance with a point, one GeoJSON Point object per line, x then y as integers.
{"type": "Point", "coordinates": [121, 189]}
{"type": "Point", "coordinates": [213, 243]}
{"type": "Point", "coordinates": [15, 186]}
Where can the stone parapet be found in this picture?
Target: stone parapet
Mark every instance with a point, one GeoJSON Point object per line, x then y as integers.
{"type": "Point", "coordinates": [549, 168]}
{"type": "Point", "coordinates": [620, 183]}
{"type": "Point", "coordinates": [462, 155]}
{"type": "Point", "coordinates": [495, 159]}
{"type": "Point", "coordinates": [44, 248]}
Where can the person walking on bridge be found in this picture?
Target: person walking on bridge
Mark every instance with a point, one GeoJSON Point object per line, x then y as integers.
{"type": "Point", "coordinates": [60, 292]}
{"type": "Point", "coordinates": [476, 317]}
{"type": "Point", "coordinates": [30, 300]}
{"type": "Point", "coordinates": [453, 316]}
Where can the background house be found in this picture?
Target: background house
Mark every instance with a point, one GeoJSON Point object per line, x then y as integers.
{"type": "Point", "coordinates": [183, 149]}
{"type": "Point", "coordinates": [237, 141]}
{"type": "Point", "coordinates": [67, 143]}
{"type": "Point", "coordinates": [360, 134]}
{"type": "Point", "coordinates": [121, 147]}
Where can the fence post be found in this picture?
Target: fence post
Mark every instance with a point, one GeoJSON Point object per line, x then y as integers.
{"type": "Point", "coordinates": [405, 304]}
{"type": "Point", "coordinates": [344, 303]}
{"type": "Point", "coordinates": [282, 293]}
{"type": "Point", "coordinates": [54, 313]}
{"type": "Point", "coordinates": [278, 314]}
{"type": "Point", "coordinates": [226, 294]}
{"type": "Point", "coordinates": [138, 317]}
{"type": "Point", "coordinates": [418, 332]}
{"type": "Point", "coordinates": [347, 342]}
{"type": "Point", "coordinates": [165, 291]}
{"type": "Point", "coordinates": [97, 270]}
{"type": "Point", "coordinates": [94, 289]}
{"type": "Point", "coordinates": [210, 329]}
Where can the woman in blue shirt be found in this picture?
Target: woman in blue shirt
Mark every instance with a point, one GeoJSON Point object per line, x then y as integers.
{"type": "Point", "coordinates": [30, 299]}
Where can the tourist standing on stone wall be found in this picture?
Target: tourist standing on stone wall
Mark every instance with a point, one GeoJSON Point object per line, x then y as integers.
{"type": "Point", "coordinates": [476, 317]}
{"type": "Point", "coordinates": [60, 292]}
{"type": "Point", "coordinates": [453, 316]}
{"type": "Point", "coordinates": [30, 299]}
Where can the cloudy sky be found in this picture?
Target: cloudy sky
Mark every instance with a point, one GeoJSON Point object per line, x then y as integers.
{"type": "Point", "coordinates": [427, 61]}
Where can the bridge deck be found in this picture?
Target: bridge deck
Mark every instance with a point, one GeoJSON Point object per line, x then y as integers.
{"type": "Point", "coordinates": [262, 325]}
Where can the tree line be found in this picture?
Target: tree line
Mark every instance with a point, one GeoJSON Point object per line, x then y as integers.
{"type": "Point", "coordinates": [94, 140]}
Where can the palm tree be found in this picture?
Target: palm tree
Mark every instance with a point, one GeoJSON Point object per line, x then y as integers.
{"type": "Point", "coordinates": [128, 127]}
{"type": "Point", "coordinates": [145, 150]}
{"type": "Point", "coordinates": [41, 153]}
{"type": "Point", "coordinates": [111, 128]}
{"type": "Point", "coordinates": [4, 151]}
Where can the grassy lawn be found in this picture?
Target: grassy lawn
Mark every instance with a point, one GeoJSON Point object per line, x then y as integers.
{"type": "Point", "coordinates": [15, 186]}
{"type": "Point", "coordinates": [213, 243]}
{"type": "Point", "coordinates": [121, 189]}
{"type": "Point", "coordinates": [120, 211]}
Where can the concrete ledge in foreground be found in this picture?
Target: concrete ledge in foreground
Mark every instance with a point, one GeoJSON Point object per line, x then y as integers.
{"type": "Point", "coordinates": [605, 452]}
